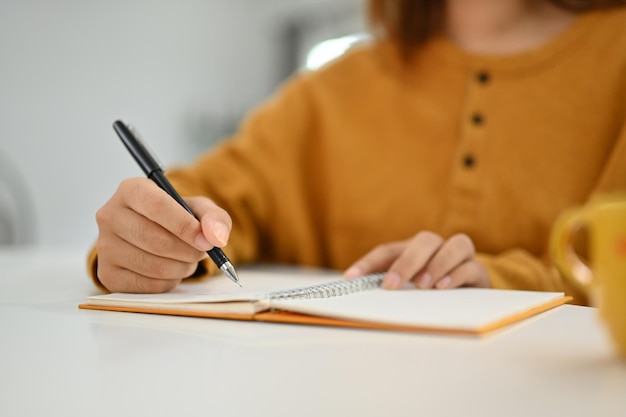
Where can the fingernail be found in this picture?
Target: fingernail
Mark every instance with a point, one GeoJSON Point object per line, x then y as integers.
{"type": "Point", "coordinates": [444, 282]}
{"type": "Point", "coordinates": [202, 243]}
{"type": "Point", "coordinates": [425, 280]}
{"type": "Point", "coordinates": [353, 272]}
{"type": "Point", "coordinates": [392, 281]}
{"type": "Point", "coordinates": [221, 232]}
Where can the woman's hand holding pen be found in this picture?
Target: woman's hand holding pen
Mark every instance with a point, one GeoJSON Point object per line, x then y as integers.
{"type": "Point", "coordinates": [428, 260]}
{"type": "Point", "coordinates": [148, 243]}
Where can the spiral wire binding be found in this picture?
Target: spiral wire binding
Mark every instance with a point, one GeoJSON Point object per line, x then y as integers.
{"type": "Point", "coordinates": [331, 289]}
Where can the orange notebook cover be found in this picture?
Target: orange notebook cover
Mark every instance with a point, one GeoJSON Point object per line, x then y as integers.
{"type": "Point", "coordinates": [323, 298]}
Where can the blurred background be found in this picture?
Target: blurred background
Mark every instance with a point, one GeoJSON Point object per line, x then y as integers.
{"type": "Point", "coordinates": [183, 72]}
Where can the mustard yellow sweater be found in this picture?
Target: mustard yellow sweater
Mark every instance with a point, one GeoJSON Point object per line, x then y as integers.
{"type": "Point", "coordinates": [370, 150]}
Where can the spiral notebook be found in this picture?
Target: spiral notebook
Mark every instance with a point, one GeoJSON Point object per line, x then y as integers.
{"type": "Point", "coordinates": [324, 298]}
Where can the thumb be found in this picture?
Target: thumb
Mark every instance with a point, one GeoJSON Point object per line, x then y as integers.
{"type": "Point", "coordinates": [215, 222]}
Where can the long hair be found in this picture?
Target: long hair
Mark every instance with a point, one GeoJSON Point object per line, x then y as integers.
{"type": "Point", "coordinates": [410, 23]}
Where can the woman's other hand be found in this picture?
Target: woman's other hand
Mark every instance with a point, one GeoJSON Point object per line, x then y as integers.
{"type": "Point", "coordinates": [428, 260]}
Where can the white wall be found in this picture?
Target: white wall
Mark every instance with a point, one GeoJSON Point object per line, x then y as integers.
{"type": "Point", "coordinates": [69, 68]}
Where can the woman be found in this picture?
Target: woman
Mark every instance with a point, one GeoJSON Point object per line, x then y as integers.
{"type": "Point", "coordinates": [441, 153]}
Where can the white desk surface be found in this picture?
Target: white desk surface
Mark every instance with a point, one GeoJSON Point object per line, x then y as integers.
{"type": "Point", "coordinates": [57, 360]}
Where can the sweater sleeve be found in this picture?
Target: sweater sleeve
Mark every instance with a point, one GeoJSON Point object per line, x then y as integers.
{"type": "Point", "coordinates": [518, 269]}
{"type": "Point", "coordinates": [257, 176]}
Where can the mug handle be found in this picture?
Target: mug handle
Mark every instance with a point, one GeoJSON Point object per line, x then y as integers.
{"type": "Point", "coordinates": [562, 251]}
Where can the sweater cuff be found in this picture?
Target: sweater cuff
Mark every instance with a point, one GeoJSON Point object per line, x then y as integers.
{"type": "Point", "coordinates": [92, 268]}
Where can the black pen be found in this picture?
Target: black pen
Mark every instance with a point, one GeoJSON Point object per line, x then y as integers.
{"type": "Point", "coordinates": [153, 170]}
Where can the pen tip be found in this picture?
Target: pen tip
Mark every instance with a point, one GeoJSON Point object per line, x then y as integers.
{"type": "Point", "coordinates": [230, 272]}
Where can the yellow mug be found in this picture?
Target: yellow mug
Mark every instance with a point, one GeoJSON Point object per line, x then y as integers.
{"type": "Point", "coordinates": [603, 277]}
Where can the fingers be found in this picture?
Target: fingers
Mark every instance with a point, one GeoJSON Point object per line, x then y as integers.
{"type": "Point", "coordinates": [124, 267]}
{"type": "Point", "coordinates": [453, 253]}
{"type": "Point", "coordinates": [138, 231]}
{"type": "Point", "coordinates": [118, 279]}
{"type": "Point", "coordinates": [468, 274]}
{"type": "Point", "coordinates": [127, 281]}
{"type": "Point", "coordinates": [414, 259]}
{"type": "Point", "coordinates": [127, 256]}
{"type": "Point", "coordinates": [378, 259]}
{"type": "Point", "coordinates": [427, 259]}
{"type": "Point", "coordinates": [144, 197]}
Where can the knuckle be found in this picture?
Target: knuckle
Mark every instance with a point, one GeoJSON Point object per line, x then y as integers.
{"type": "Point", "coordinates": [102, 272]}
{"type": "Point", "coordinates": [185, 228]}
{"type": "Point", "coordinates": [159, 243]}
{"type": "Point", "coordinates": [126, 185]}
{"type": "Point", "coordinates": [462, 240]}
{"type": "Point", "coordinates": [369, 254]}
{"type": "Point", "coordinates": [152, 205]}
{"type": "Point", "coordinates": [112, 279]}
{"type": "Point", "coordinates": [130, 186]}
{"type": "Point", "coordinates": [153, 239]}
{"type": "Point", "coordinates": [380, 249]}
{"type": "Point", "coordinates": [164, 269]}
{"type": "Point", "coordinates": [103, 249]}
{"type": "Point", "coordinates": [103, 216]}
{"type": "Point", "coordinates": [387, 249]}
{"type": "Point", "coordinates": [428, 237]}
{"type": "Point", "coordinates": [148, 265]}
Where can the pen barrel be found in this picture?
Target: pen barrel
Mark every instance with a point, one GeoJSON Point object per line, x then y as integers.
{"type": "Point", "coordinates": [159, 178]}
{"type": "Point", "coordinates": [217, 256]}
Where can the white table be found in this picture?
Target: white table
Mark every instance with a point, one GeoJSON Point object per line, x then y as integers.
{"type": "Point", "coordinates": [57, 360]}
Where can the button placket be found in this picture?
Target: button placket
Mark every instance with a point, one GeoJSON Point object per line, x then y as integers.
{"type": "Point", "coordinates": [467, 185]}
{"type": "Point", "coordinates": [477, 120]}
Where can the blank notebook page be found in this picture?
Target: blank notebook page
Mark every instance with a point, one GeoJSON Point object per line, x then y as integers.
{"type": "Point", "coordinates": [461, 308]}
